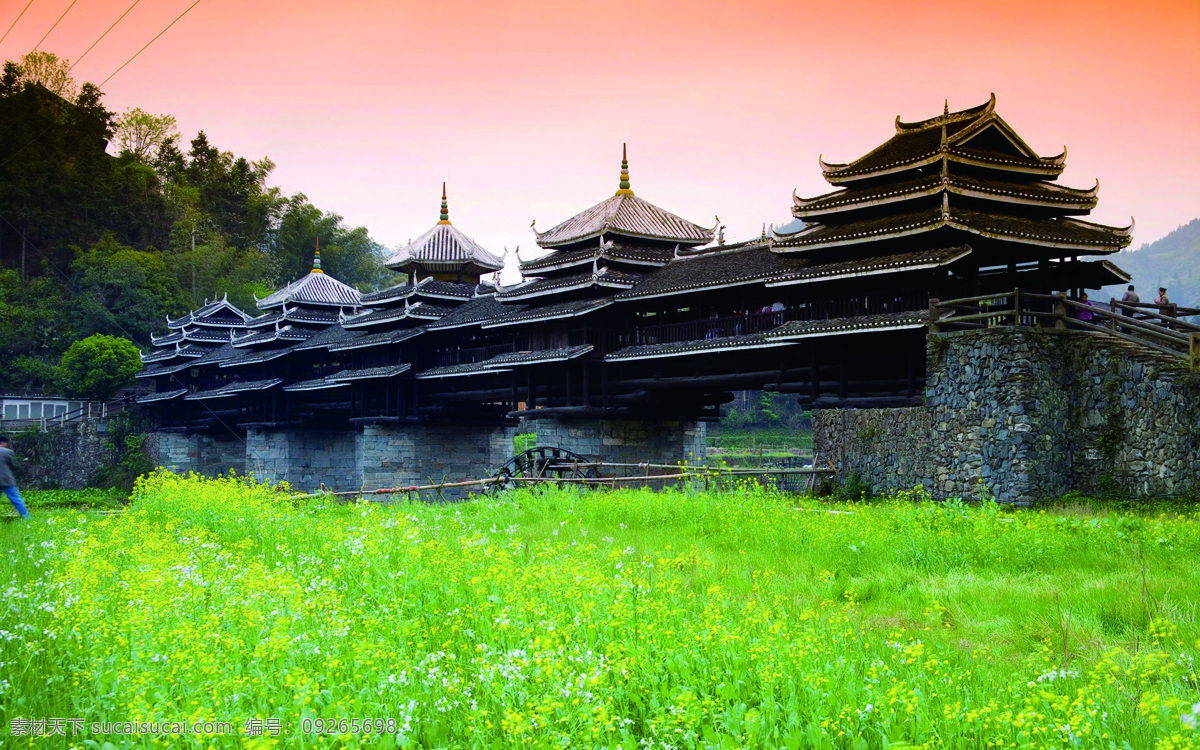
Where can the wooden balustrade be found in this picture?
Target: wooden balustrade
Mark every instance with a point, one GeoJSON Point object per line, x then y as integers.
{"type": "Point", "coordinates": [1163, 332]}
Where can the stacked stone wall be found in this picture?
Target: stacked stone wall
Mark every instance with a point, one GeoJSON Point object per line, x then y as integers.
{"type": "Point", "coordinates": [429, 454]}
{"type": "Point", "coordinates": [202, 453]}
{"type": "Point", "coordinates": [305, 459]}
{"type": "Point", "coordinates": [69, 457]}
{"type": "Point", "coordinates": [1029, 415]}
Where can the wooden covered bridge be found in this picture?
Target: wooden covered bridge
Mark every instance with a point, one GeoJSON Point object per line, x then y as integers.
{"type": "Point", "coordinates": [634, 313]}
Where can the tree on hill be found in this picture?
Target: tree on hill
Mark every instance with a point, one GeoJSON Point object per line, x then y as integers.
{"type": "Point", "coordinates": [98, 366]}
{"type": "Point", "coordinates": [142, 135]}
{"type": "Point", "coordinates": [96, 239]}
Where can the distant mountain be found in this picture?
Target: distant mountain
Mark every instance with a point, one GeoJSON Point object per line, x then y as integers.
{"type": "Point", "coordinates": [1173, 262]}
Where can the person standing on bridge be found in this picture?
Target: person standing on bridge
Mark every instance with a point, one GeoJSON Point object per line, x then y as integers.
{"type": "Point", "coordinates": [8, 477]}
{"type": "Point", "coordinates": [1130, 297]}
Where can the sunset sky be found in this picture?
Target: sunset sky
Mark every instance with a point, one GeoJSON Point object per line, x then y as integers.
{"type": "Point", "coordinates": [522, 107]}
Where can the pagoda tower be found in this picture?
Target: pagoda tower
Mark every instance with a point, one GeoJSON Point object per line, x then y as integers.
{"type": "Point", "coordinates": [444, 253]}
{"type": "Point", "coordinates": [606, 248]}
{"type": "Point", "coordinates": [191, 340]}
{"type": "Point", "coordinates": [961, 179]}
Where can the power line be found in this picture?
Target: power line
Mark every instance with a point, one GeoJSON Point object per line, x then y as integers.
{"type": "Point", "coordinates": [14, 23]}
{"type": "Point", "coordinates": [55, 26]}
{"type": "Point", "coordinates": [152, 41]}
{"type": "Point", "coordinates": [14, 154]}
{"type": "Point", "coordinates": [110, 28]}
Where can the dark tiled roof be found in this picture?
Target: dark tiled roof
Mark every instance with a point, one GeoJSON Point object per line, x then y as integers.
{"type": "Point", "coordinates": [723, 268]}
{"type": "Point", "coordinates": [169, 354]}
{"type": "Point", "coordinates": [208, 336]}
{"type": "Point", "coordinates": [151, 398]}
{"type": "Point", "coordinates": [378, 339]}
{"type": "Point", "coordinates": [417, 311]}
{"type": "Point", "coordinates": [234, 388]}
{"type": "Point", "coordinates": [549, 312]}
{"type": "Point", "coordinates": [612, 250]}
{"type": "Point", "coordinates": [258, 356]}
{"type": "Point", "coordinates": [607, 277]}
{"type": "Point", "coordinates": [1063, 233]}
{"type": "Point", "coordinates": [907, 149]}
{"type": "Point", "coordinates": [265, 319]}
{"type": "Point", "coordinates": [287, 333]}
{"type": "Point", "coordinates": [1037, 193]}
{"type": "Point", "coordinates": [456, 371]}
{"type": "Point", "coordinates": [703, 346]}
{"type": "Point", "coordinates": [313, 289]}
{"type": "Point", "coordinates": [504, 362]}
{"type": "Point", "coordinates": [316, 384]}
{"type": "Point", "coordinates": [478, 310]}
{"type": "Point", "coordinates": [799, 329]}
{"type": "Point", "coordinates": [430, 287]}
{"type": "Point", "coordinates": [326, 338]}
{"type": "Point", "coordinates": [918, 259]}
{"type": "Point", "coordinates": [919, 143]}
{"type": "Point", "coordinates": [628, 215]}
{"type": "Point", "coordinates": [369, 373]}
{"type": "Point", "coordinates": [296, 314]}
{"type": "Point", "coordinates": [445, 248]}
{"type": "Point", "coordinates": [171, 338]}
{"type": "Point", "coordinates": [218, 355]}
{"type": "Point", "coordinates": [156, 370]}
{"type": "Point", "coordinates": [218, 313]}
{"type": "Point", "coordinates": [511, 359]}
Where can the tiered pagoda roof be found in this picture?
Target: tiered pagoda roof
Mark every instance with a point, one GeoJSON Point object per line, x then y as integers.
{"type": "Point", "coordinates": [445, 249]}
{"type": "Point", "coordinates": [314, 289]}
{"type": "Point", "coordinates": [190, 339]}
{"type": "Point", "coordinates": [964, 178]}
{"type": "Point", "coordinates": [603, 250]}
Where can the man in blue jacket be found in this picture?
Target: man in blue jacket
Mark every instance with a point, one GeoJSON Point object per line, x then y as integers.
{"type": "Point", "coordinates": [8, 477]}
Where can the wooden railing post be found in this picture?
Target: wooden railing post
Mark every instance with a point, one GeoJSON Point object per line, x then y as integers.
{"type": "Point", "coordinates": [1016, 307]}
{"type": "Point", "coordinates": [1060, 310]}
{"type": "Point", "coordinates": [935, 313]}
{"type": "Point", "coordinates": [1194, 350]}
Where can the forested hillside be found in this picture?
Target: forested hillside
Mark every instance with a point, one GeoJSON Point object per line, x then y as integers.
{"type": "Point", "coordinates": [110, 222]}
{"type": "Point", "coordinates": [1173, 262]}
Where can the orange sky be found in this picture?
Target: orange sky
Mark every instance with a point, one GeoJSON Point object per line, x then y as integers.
{"type": "Point", "coordinates": [522, 106]}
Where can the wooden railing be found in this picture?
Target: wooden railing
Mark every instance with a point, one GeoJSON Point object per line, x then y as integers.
{"type": "Point", "coordinates": [90, 410]}
{"type": "Point", "coordinates": [710, 328]}
{"type": "Point", "coordinates": [1163, 331]}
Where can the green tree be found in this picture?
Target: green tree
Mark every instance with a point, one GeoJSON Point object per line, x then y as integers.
{"type": "Point", "coordinates": [96, 367]}
{"type": "Point", "coordinates": [123, 291]}
{"type": "Point", "coordinates": [49, 71]}
{"type": "Point", "coordinates": [142, 135]}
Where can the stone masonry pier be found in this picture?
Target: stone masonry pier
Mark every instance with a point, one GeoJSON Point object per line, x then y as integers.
{"type": "Point", "coordinates": [377, 456]}
{"type": "Point", "coordinates": [1031, 414]}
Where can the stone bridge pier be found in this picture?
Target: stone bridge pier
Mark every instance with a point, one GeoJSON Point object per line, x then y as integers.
{"type": "Point", "coordinates": [377, 456]}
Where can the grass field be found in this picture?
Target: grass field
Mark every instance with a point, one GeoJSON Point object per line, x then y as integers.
{"type": "Point", "coordinates": [608, 619]}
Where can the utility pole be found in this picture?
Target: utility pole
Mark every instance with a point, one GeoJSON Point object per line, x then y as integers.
{"type": "Point", "coordinates": [193, 262]}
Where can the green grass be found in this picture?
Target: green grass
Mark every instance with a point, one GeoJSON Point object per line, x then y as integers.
{"type": "Point", "coordinates": [750, 439]}
{"type": "Point", "coordinates": [552, 618]}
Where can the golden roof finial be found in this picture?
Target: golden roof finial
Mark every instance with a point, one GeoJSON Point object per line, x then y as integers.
{"type": "Point", "coordinates": [624, 187]}
{"type": "Point", "coordinates": [445, 217]}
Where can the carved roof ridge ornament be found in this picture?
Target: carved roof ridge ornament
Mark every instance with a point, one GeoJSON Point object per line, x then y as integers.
{"type": "Point", "coordinates": [971, 113]}
{"type": "Point", "coordinates": [316, 267]}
